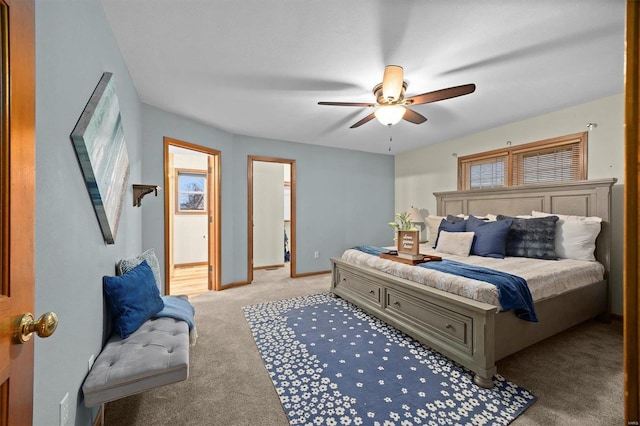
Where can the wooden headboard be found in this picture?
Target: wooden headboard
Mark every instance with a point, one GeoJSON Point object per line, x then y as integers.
{"type": "Point", "coordinates": [583, 198]}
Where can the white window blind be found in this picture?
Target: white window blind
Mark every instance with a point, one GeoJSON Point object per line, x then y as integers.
{"type": "Point", "coordinates": [556, 164]}
{"type": "Point", "coordinates": [487, 173]}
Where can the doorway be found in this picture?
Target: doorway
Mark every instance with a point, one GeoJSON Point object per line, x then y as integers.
{"type": "Point", "coordinates": [271, 215]}
{"type": "Point", "coordinates": [192, 218]}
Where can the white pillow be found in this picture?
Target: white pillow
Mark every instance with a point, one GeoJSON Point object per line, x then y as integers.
{"type": "Point", "coordinates": [458, 243]}
{"type": "Point", "coordinates": [433, 223]}
{"type": "Point", "coordinates": [575, 235]}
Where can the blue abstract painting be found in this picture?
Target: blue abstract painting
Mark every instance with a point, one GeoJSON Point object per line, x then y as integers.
{"type": "Point", "coordinates": [99, 142]}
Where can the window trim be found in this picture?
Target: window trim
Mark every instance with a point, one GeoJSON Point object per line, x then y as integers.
{"type": "Point", "coordinates": [205, 174]}
{"type": "Point", "coordinates": [580, 138]}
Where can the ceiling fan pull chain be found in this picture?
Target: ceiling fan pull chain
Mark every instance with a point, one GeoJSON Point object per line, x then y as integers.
{"type": "Point", "coordinates": [390, 139]}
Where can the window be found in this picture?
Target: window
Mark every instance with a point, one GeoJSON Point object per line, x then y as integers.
{"type": "Point", "coordinates": [191, 193]}
{"type": "Point", "coordinates": [559, 159]}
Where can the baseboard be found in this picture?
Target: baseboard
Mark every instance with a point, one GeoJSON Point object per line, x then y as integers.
{"type": "Point", "coordinates": [235, 284]}
{"type": "Point", "coordinates": [310, 274]}
{"type": "Point", "coordinates": [281, 265]}
{"type": "Point", "coordinates": [189, 265]}
{"type": "Point", "coordinates": [617, 317]}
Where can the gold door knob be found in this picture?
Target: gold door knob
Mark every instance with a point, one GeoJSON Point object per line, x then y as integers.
{"type": "Point", "coordinates": [44, 327]}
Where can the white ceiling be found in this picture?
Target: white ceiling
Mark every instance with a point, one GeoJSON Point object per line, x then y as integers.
{"type": "Point", "coordinates": [259, 67]}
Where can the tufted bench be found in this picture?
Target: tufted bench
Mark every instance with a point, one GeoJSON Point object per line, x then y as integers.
{"type": "Point", "coordinates": [156, 354]}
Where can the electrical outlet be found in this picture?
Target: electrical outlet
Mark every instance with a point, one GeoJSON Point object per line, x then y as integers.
{"type": "Point", "coordinates": [91, 360]}
{"type": "Point", "coordinates": [316, 254]}
{"type": "Point", "coordinates": [64, 410]}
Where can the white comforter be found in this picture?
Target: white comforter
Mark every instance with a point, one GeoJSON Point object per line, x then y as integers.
{"type": "Point", "coordinates": [545, 278]}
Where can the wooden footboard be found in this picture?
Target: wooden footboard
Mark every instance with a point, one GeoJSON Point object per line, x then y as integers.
{"type": "Point", "coordinates": [459, 328]}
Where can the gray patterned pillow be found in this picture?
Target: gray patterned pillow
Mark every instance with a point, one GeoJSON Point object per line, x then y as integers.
{"type": "Point", "coordinates": [125, 265]}
{"type": "Point", "coordinates": [534, 238]}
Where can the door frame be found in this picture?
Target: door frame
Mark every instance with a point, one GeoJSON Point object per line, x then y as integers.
{"type": "Point", "coordinates": [214, 208]}
{"type": "Point", "coordinates": [292, 238]}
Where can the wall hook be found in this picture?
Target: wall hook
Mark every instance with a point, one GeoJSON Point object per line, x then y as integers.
{"type": "Point", "coordinates": [591, 126]}
{"type": "Point", "coordinates": [140, 191]}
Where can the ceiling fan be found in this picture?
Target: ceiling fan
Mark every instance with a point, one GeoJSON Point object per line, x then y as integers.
{"type": "Point", "coordinates": [391, 105]}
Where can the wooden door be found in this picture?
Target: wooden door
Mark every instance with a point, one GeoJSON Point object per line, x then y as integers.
{"type": "Point", "coordinates": [632, 216]}
{"type": "Point", "coordinates": [17, 182]}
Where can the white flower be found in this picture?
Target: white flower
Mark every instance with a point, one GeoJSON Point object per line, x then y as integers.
{"type": "Point", "coordinates": [345, 420]}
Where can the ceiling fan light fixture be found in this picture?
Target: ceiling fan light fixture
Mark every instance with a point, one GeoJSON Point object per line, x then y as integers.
{"type": "Point", "coordinates": [390, 114]}
{"type": "Point", "coordinates": [392, 82]}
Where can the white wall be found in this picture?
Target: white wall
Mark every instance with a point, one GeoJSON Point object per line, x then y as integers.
{"type": "Point", "coordinates": [421, 172]}
{"type": "Point", "coordinates": [268, 214]}
{"type": "Point", "coordinates": [190, 242]}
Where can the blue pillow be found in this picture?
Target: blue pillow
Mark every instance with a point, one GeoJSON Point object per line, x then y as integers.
{"type": "Point", "coordinates": [449, 226]}
{"type": "Point", "coordinates": [132, 298]}
{"type": "Point", "coordinates": [454, 219]}
{"type": "Point", "coordinates": [533, 238]}
{"type": "Point", "coordinates": [490, 238]}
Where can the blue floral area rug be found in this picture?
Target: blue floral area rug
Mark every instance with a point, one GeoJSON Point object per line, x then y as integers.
{"type": "Point", "coordinates": [333, 364]}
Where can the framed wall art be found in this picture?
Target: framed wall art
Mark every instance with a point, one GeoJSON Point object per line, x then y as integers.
{"type": "Point", "coordinates": [98, 139]}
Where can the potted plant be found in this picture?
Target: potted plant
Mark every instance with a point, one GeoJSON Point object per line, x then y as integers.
{"type": "Point", "coordinates": [407, 235]}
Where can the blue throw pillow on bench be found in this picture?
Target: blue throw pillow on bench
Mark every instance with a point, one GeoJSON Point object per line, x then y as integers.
{"type": "Point", "coordinates": [490, 238]}
{"type": "Point", "coordinates": [132, 298]}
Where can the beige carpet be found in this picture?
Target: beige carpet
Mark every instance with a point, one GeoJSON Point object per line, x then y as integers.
{"type": "Point", "coordinates": [577, 375]}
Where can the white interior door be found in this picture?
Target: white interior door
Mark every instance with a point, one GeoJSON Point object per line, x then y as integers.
{"type": "Point", "coordinates": [268, 214]}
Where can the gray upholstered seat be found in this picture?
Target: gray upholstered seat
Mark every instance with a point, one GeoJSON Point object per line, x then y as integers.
{"type": "Point", "coordinates": [156, 354]}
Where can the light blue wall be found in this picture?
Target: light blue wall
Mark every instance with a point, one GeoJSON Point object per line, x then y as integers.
{"type": "Point", "coordinates": [74, 46]}
{"type": "Point", "coordinates": [158, 124]}
{"type": "Point", "coordinates": [343, 197]}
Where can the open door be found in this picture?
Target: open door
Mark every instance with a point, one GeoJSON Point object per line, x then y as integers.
{"type": "Point", "coordinates": [17, 206]}
{"type": "Point", "coordinates": [286, 230]}
{"type": "Point", "coordinates": [192, 218]}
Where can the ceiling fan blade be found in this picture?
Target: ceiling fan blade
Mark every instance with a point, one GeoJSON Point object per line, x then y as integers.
{"type": "Point", "coordinates": [413, 117]}
{"type": "Point", "coordinates": [353, 104]}
{"type": "Point", "coordinates": [364, 120]}
{"type": "Point", "coordinates": [392, 82]}
{"type": "Point", "coordinates": [440, 95]}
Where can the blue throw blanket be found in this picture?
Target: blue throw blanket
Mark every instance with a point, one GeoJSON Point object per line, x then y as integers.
{"type": "Point", "coordinates": [373, 250]}
{"type": "Point", "coordinates": [513, 291]}
{"type": "Point", "coordinates": [177, 308]}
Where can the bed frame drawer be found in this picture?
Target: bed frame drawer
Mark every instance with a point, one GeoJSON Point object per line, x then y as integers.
{"type": "Point", "coordinates": [362, 287]}
{"type": "Point", "coordinates": [446, 324]}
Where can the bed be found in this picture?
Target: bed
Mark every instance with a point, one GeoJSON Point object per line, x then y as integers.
{"type": "Point", "coordinates": [474, 333]}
